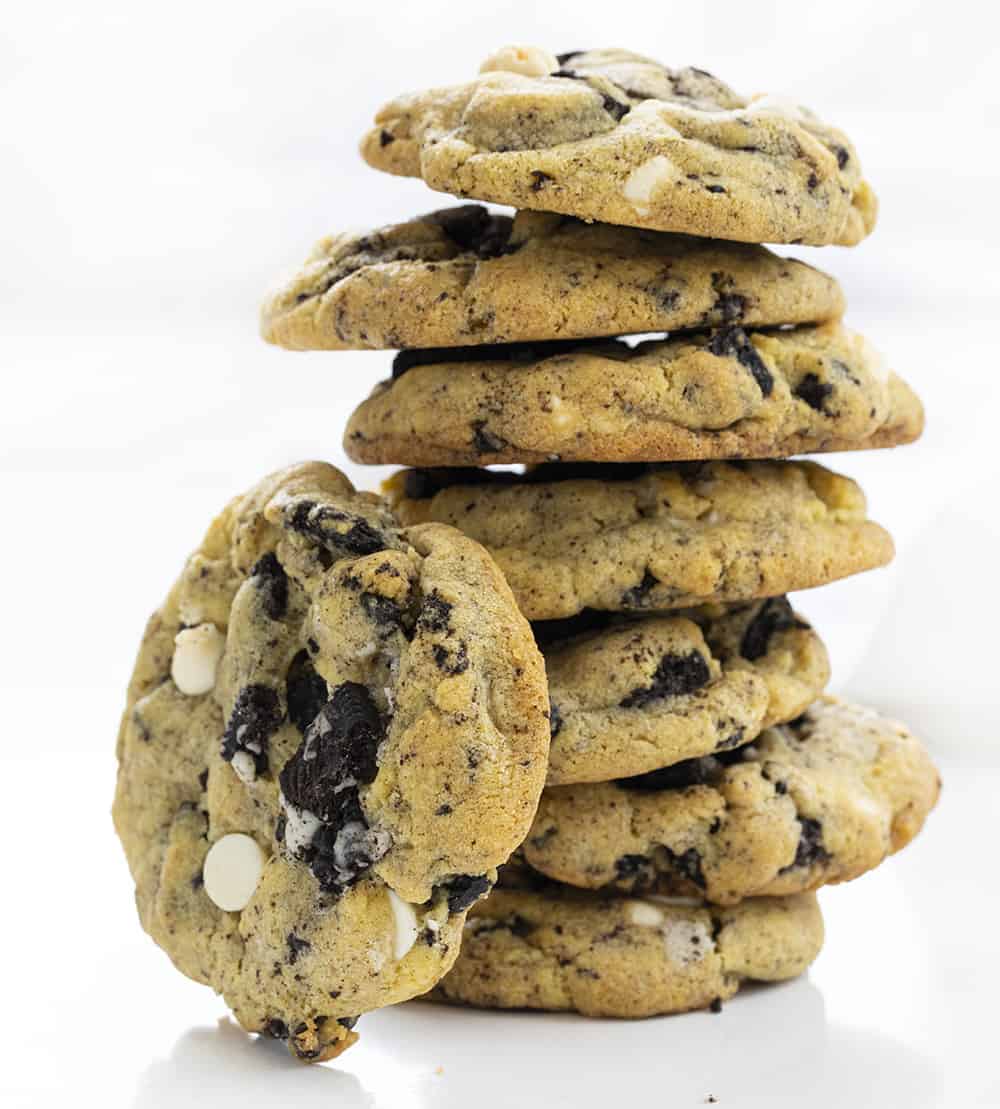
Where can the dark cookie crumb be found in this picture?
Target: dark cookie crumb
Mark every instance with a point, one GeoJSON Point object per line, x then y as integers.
{"type": "Point", "coordinates": [451, 661]}
{"type": "Point", "coordinates": [296, 947]}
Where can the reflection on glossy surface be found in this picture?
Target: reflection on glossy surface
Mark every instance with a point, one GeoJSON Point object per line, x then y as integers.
{"type": "Point", "coordinates": [222, 1064]}
{"type": "Point", "coordinates": [771, 1046]}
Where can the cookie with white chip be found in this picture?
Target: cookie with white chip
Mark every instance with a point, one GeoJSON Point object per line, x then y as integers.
{"type": "Point", "coordinates": [629, 695]}
{"type": "Point", "coordinates": [335, 731]}
{"type": "Point", "coordinates": [613, 136]}
{"type": "Point", "coordinates": [557, 949]}
{"type": "Point", "coordinates": [627, 538]}
{"type": "Point", "coordinates": [467, 276]}
{"type": "Point", "coordinates": [819, 800]}
{"type": "Point", "coordinates": [727, 393]}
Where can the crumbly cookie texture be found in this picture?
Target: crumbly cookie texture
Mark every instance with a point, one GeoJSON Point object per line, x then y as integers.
{"type": "Point", "coordinates": [630, 695]}
{"type": "Point", "coordinates": [820, 800]}
{"type": "Point", "coordinates": [637, 537]}
{"type": "Point", "coordinates": [311, 796]}
{"type": "Point", "coordinates": [614, 136]}
{"type": "Point", "coordinates": [465, 276]}
{"type": "Point", "coordinates": [625, 957]}
{"type": "Point", "coordinates": [726, 393]}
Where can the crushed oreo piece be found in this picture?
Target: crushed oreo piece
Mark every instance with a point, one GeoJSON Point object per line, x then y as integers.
{"type": "Point", "coordinates": [335, 529]}
{"type": "Point", "coordinates": [810, 847]}
{"type": "Point", "coordinates": [340, 748]}
{"type": "Point", "coordinates": [464, 890]}
{"type": "Point", "coordinates": [813, 392]}
{"type": "Point", "coordinates": [296, 947]}
{"type": "Point", "coordinates": [435, 613]}
{"type": "Point", "coordinates": [306, 692]}
{"type": "Point", "coordinates": [733, 342]}
{"type": "Point", "coordinates": [272, 582]}
{"type": "Point", "coordinates": [256, 716]}
{"type": "Point", "coordinates": [775, 615]}
{"type": "Point", "coordinates": [638, 595]}
{"type": "Point", "coordinates": [484, 441]}
{"type": "Point", "coordinates": [687, 864]}
{"type": "Point", "coordinates": [475, 228]}
{"type": "Point", "coordinates": [703, 771]}
{"type": "Point", "coordinates": [675, 676]}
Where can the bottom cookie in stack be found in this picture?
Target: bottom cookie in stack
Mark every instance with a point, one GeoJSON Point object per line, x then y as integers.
{"type": "Point", "coordinates": [556, 948]}
{"type": "Point", "coordinates": [662, 893]}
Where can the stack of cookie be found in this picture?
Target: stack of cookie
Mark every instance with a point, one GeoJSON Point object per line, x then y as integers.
{"type": "Point", "coordinates": [341, 722]}
{"type": "Point", "coordinates": [700, 785]}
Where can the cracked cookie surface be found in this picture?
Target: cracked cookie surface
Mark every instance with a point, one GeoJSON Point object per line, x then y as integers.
{"type": "Point", "coordinates": [727, 393]}
{"type": "Point", "coordinates": [627, 538]}
{"type": "Point", "coordinates": [466, 276]}
{"type": "Point", "coordinates": [819, 800]}
{"type": "Point", "coordinates": [557, 949]}
{"type": "Point", "coordinates": [613, 136]}
{"type": "Point", "coordinates": [630, 695]}
{"type": "Point", "coordinates": [335, 731]}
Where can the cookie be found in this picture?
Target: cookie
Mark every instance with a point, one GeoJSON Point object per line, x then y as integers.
{"type": "Point", "coordinates": [335, 731]}
{"type": "Point", "coordinates": [632, 695]}
{"type": "Point", "coordinates": [635, 537]}
{"type": "Point", "coordinates": [612, 136]}
{"type": "Point", "coordinates": [822, 799]}
{"type": "Point", "coordinates": [623, 957]}
{"type": "Point", "coordinates": [726, 393]}
{"type": "Point", "coordinates": [464, 276]}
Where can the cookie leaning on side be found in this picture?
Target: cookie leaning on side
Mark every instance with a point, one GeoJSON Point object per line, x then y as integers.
{"type": "Point", "coordinates": [336, 730]}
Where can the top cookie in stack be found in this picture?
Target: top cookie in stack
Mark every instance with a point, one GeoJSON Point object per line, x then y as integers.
{"type": "Point", "coordinates": [511, 327]}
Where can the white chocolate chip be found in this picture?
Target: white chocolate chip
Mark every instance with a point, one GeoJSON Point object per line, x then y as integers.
{"type": "Point", "coordinates": [560, 416]}
{"type": "Point", "coordinates": [232, 869]}
{"type": "Point", "coordinates": [244, 766]}
{"type": "Point", "coordinates": [686, 941]}
{"type": "Point", "coordinates": [643, 181]}
{"type": "Point", "coordinates": [196, 658]}
{"type": "Point", "coordinates": [644, 914]}
{"type": "Point", "coordinates": [405, 921]}
{"type": "Point", "coordinates": [531, 61]}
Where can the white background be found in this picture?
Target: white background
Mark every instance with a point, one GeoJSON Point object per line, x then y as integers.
{"type": "Point", "coordinates": [160, 167]}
